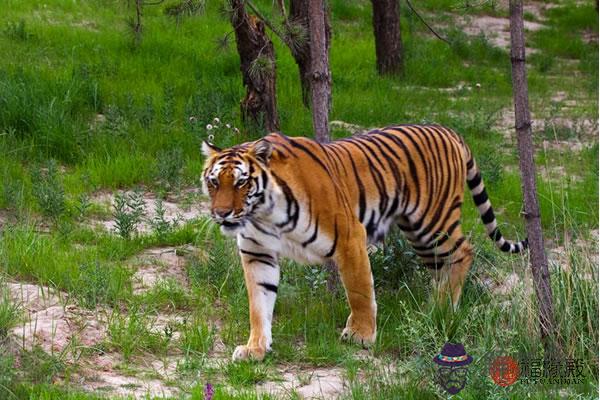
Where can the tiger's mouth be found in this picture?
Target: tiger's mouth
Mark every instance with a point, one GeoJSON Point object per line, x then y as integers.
{"type": "Point", "coordinates": [228, 224]}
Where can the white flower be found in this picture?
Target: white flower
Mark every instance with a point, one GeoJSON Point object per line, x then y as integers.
{"type": "Point", "coordinates": [209, 127]}
{"type": "Point", "coordinates": [236, 130]}
{"type": "Point", "coordinates": [216, 121]}
{"type": "Point", "coordinates": [192, 119]}
{"type": "Point", "coordinates": [211, 138]}
{"type": "Point", "coordinates": [478, 85]}
{"type": "Point", "coordinates": [228, 126]}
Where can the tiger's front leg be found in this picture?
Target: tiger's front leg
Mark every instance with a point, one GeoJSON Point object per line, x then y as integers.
{"type": "Point", "coordinates": [261, 272]}
{"type": "Point", "coordinates": [355, 271]}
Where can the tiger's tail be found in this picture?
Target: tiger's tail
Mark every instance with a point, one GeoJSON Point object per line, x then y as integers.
{"type": "Point", "coordinates": [486, 211]}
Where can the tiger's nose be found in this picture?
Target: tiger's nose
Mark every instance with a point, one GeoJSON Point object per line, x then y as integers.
{"type": "Point", "coordinates": [222, 212]}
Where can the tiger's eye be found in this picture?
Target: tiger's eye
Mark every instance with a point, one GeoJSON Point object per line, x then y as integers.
{"type": "Point", "coordinates": [212, 181]}
{"type": "Point", "coordinates": [241, 182]}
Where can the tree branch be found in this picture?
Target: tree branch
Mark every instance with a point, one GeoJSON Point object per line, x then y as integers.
{"type": "Point", "coordinates": [443, 39]}
{"type": "Point", "coordinates": [268, 23]}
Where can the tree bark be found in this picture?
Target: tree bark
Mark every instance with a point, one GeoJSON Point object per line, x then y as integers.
{"type": "Point", "coordinates": [388, 42]}
{"type": "Point", "coordinates": [300, 46]}
{"type": "Point", "coordinates": [320, 79]}
{"type": "Point", "coordinates": [320, 91]}
{"type": "Point", "coordinates": [257, 59]}
{"type": "Point", "coordinates": [539, 262]}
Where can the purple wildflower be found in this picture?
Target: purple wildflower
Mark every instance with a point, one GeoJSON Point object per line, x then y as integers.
{"type": "Point", "coordinates": [208, 392]}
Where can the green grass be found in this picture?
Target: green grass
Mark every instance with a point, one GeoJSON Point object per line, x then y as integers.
{"type": "Point", "coordinates": [83, 110]}
{"type": "Point", "coordinates": [9, 312]}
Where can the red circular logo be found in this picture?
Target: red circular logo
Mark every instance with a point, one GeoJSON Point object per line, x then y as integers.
{"type": "Point", "coordinates": [504, 370]}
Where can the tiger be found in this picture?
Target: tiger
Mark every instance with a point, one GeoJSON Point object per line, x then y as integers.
{"type": "Point", "coordinates": [315, 202]}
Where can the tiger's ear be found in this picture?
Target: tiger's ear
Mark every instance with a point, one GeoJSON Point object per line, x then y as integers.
{"type": "Point", "coordinates": [209, 149]}
{"type": "Point", "coordinates": [262, 150]}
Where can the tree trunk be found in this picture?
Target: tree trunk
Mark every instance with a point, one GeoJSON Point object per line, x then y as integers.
{"type": "Point", "coordinates": [257, 59]}
{"type": "Point", "coordinates": [299, 44]}
{"type": "Point", "coordinates": [320, 80]}
{"type": "Point", "coordinates": [137, 24]}
{"type": "Point", "coordinates": [388, 42]}
{"type": "Point", "coordinates": [320, 91]}
{"type": "Point", "coordinates": [539, 262]}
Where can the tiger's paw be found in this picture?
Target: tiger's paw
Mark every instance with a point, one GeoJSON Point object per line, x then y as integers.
{"type": "Point", "coordinates": [242, 353]}
{"type": "Point", "coordinates": [363, 335]}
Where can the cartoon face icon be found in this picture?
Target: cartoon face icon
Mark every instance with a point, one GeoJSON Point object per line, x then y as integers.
{"type": "Point", "coordinates": [452, 371]}
{"type": "Point", "coordinates": [452, 379]}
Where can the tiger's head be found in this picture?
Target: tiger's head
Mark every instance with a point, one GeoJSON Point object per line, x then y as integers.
{"type": "Point", "coordinates": [236, 180]}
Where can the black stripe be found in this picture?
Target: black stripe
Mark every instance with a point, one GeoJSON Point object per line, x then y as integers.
{"type": "Point", "coordinates": [393, 167]}
{"type": "Point", "coordinates": [256, 242]}
{"type": "Point", "coordinates": [269, 287]}
{"type": "Point", "coordinates": [434, 265]}
{"type": "Point", "coordinates": [411, 167]}
{"type": "Point", "coordinates": [371, 225]}
{"type": "Point", "coordinates": [457, 261]}
{"type": "Point", "coordinates": [443, 237]}
{"type": "Point", "coordinates": [335, 238]}
{"type": "Point", "coordinates": [260, 260]}
{"type": "Point", "coordinates": [313, 237]}
{"type": "Point", "coordinates": [293, 210]}
{"type": "Point", "coordinates": [286, 148]}
{"type": "Point", "coordinates": [263, 230]}
{"type": "Point", "coordinates": [480, 198]}
{"type": "Point", "coordinates": [446, 183]}
{"type": "Point", "coordinates": [362, 202]}
{"type": "Point", "coordinates": [458, 243]}
{"type": "Point", "coordinates": [488, 216]}
{"type": "Point", "coordinates": [255, 254]}
{"type": "Point", "coordinates": [470, 164]}
{"type": "Point", "coordinates": [310, 153]}
{"type": "Point", "coordinates": [409, 134]}
{"type": "Point", "coordinates": [375, 174]}
{"type": "Point", "coordinates": [473, 183]}
{"type": "Point", "coordinates": [495, 235]}
{"type": "Point", "coordinates": [505, 247]}
{"type": "Point", "coordinates": [436, 218]}
{"type": "Point", "coordinates": [405, 228]}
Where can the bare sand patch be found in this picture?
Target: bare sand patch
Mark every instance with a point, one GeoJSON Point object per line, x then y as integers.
{"type": "Point", "coordinates": [51, 322]}
{"type": "Point", "coordinates": [156, 265]}
{"type": "Point", "coordinates": [308, 383]}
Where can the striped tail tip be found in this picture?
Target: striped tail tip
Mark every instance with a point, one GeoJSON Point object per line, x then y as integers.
{"type": "Point", "coordinates": [506, 245]}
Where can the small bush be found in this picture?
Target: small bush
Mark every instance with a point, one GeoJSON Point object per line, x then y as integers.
{"type": "Point", "coordinates": [115, 122]}
{"type": "Point", "coordinates": [48, 190]}
{"type": "Point", "coordinates": [396, 262]}
{"type": "Point", "coordinates": [160, 225]}
{"type": "Point", "coordinates": [129, 208]}
{"type": "Point", "coordinates": [17, 30]}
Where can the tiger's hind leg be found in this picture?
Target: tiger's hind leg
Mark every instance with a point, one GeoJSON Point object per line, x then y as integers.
{"type": "Point", "coordinates": [447, 255]}
{"type": "Point", "coordinates": [449, 274]}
